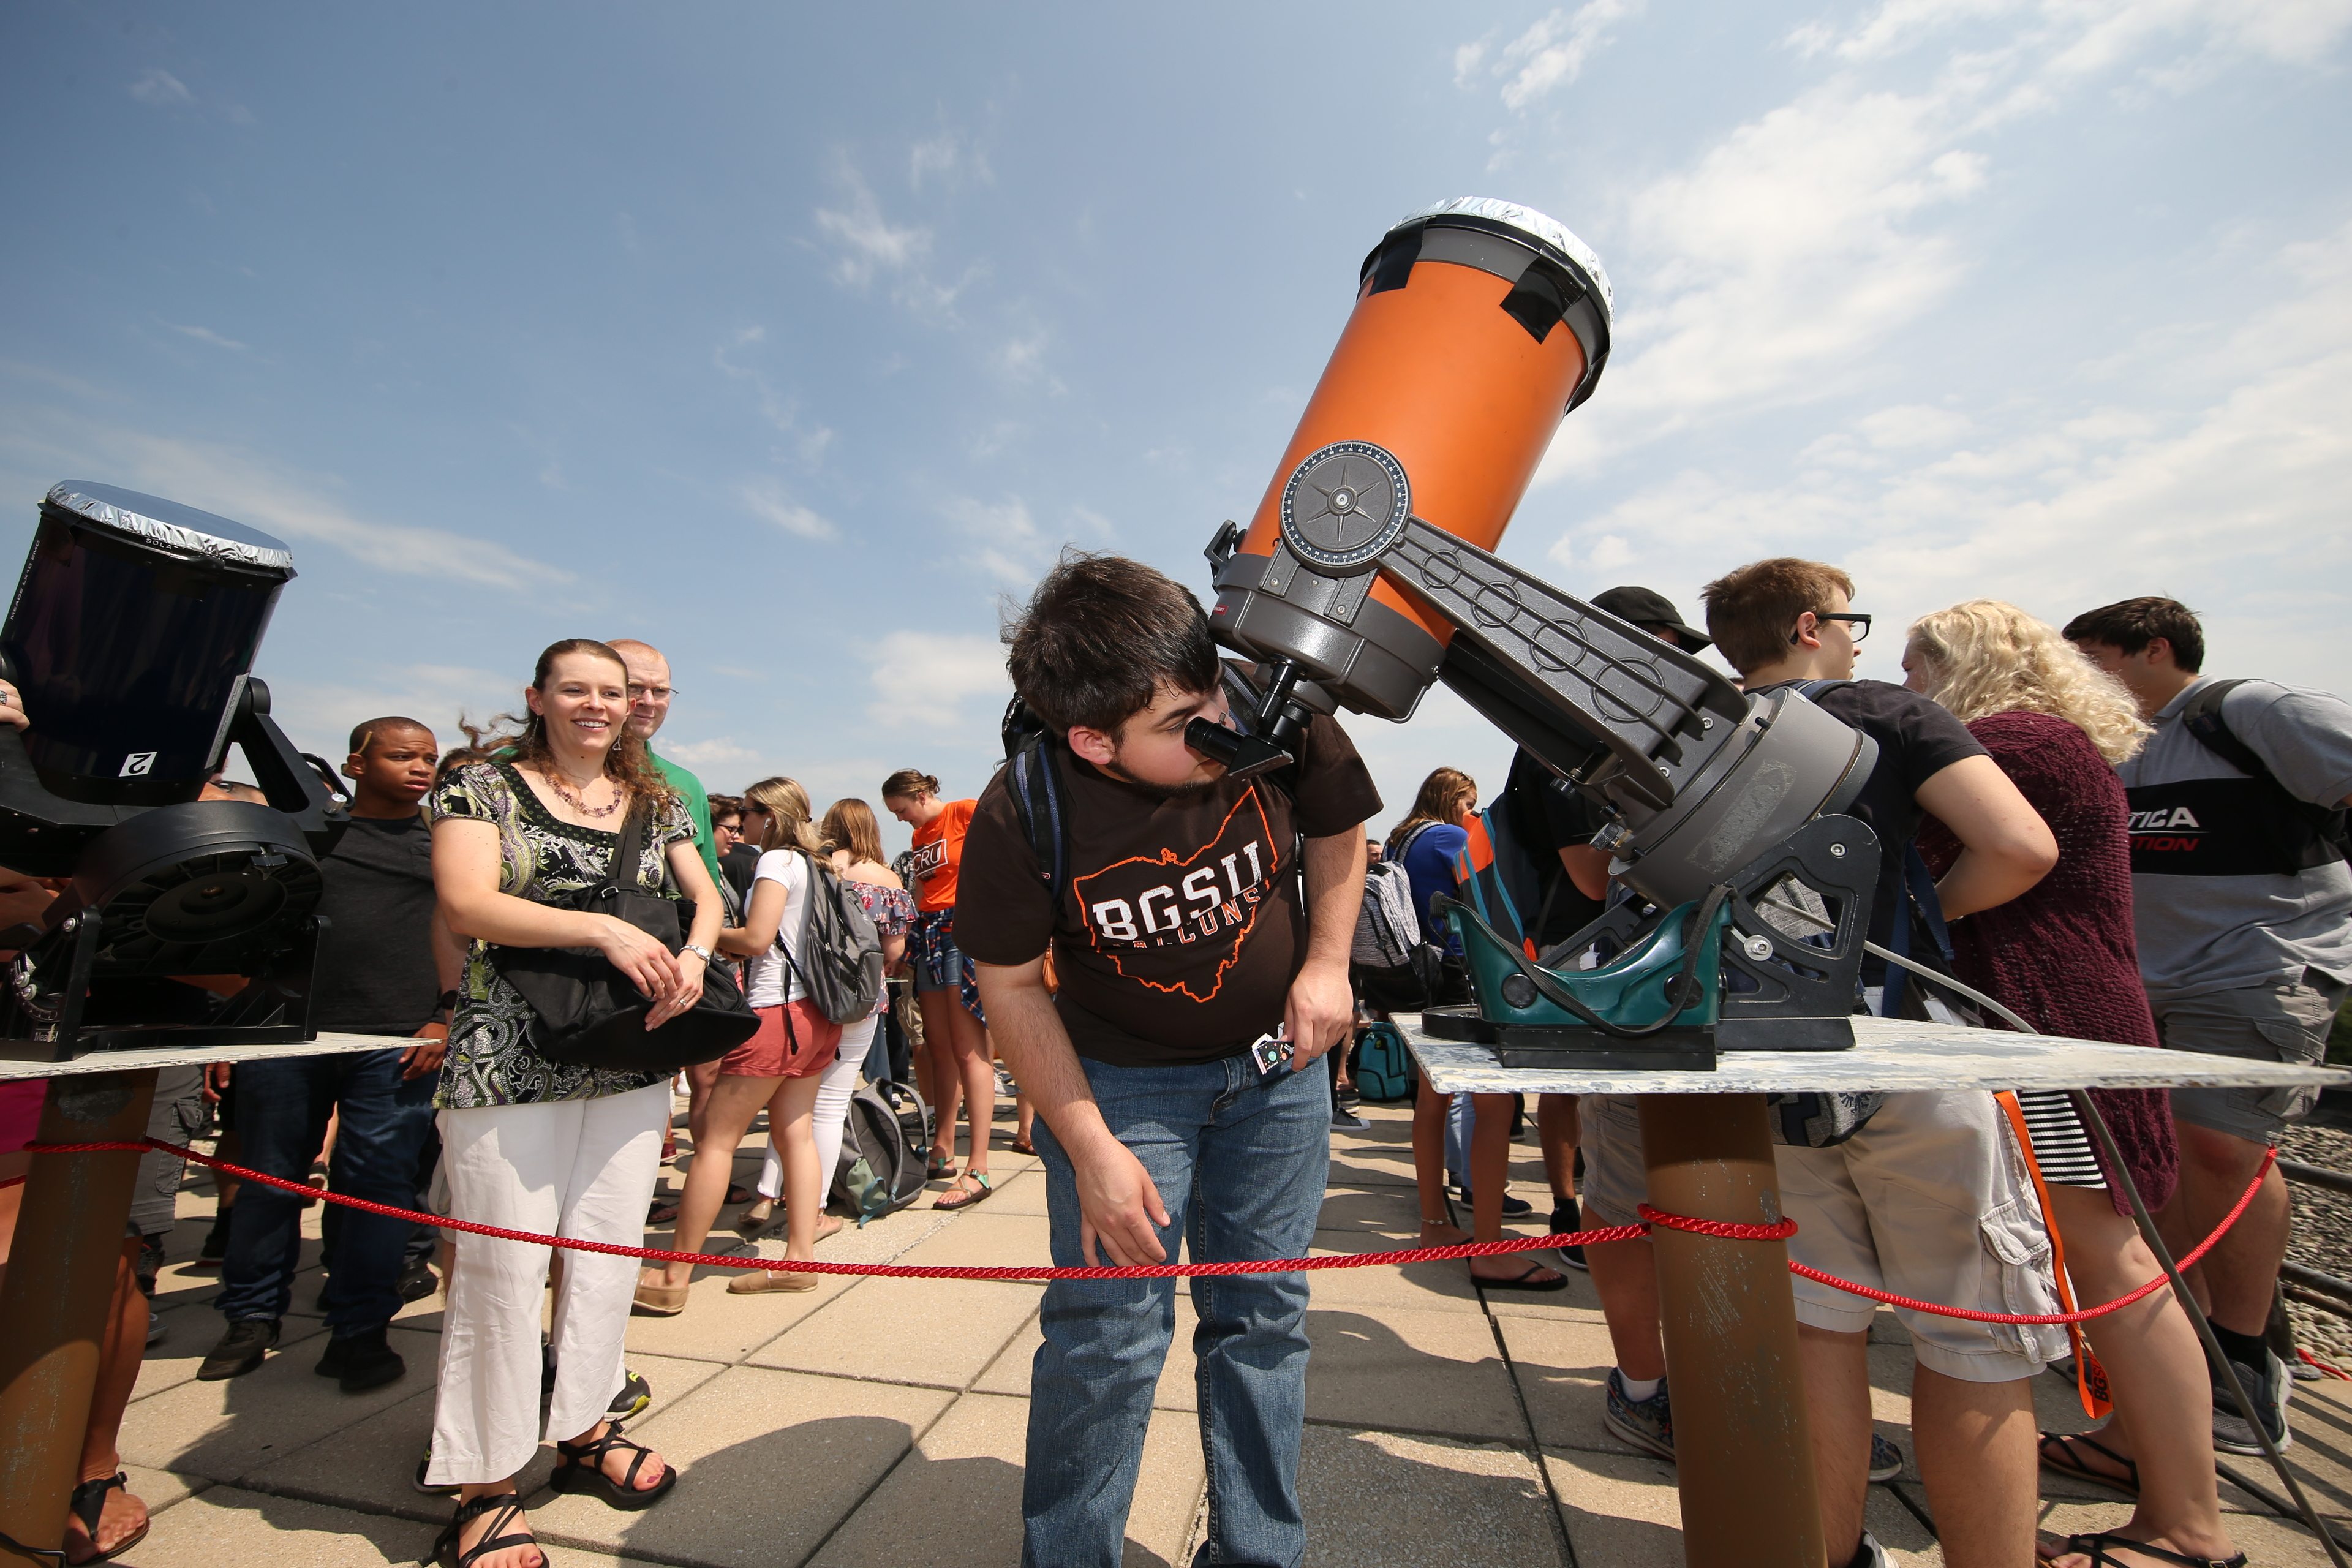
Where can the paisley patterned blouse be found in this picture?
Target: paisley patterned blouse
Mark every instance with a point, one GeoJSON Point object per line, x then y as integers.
{"type": "Point", "coordinates": [491, 1061]}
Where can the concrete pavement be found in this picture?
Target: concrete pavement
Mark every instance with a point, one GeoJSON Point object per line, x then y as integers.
{"type": "Point", "coordinates": [880, 1421]}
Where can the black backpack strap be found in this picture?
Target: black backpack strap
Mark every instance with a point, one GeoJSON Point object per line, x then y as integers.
{"type": "Point", "coordinates": [1035, 780]}
{"type": "Point", "coordinates": [2202, 718]}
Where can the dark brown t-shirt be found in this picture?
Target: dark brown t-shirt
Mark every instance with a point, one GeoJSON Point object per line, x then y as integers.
{"type": "Point", "coordinates": [1180, 931]}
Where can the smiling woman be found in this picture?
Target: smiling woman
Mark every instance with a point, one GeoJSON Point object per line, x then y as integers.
{"type": "Point", "coordinates": [544, 1145]}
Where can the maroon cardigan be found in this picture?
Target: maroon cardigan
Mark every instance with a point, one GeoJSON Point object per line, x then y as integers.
{"type": "Point", "coordinates": [2061, 954]}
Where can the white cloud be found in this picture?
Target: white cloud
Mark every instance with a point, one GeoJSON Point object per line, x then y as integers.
{"type": "Point", "coordinates": [1778, 264]}
{"type": "Point", "coordinates": [867, 241]}
{"type": "Point", "coordinates": [722, 752]}
{"type": "Point", "coordinates": [936, 680]}
{"type": "Point", "coordinates": [320, 715]}
{"type": "Point", "coordinates": [1466, 61]}
{"type": "Point", "coordinates": [809, 442]}
{"type": "Point", "coordinates": [206, 336]}
{"type": "Point", "coordinates": [1007, 543]}
{"type": "Point", "coordinates": [160, 89]}
{"type": "Point", "coordinates": [1555, 49]}
{"type": "Point", "coordinates": [765, 499]}
{"type": "Point", "coordinates": [946, 157]}
{"type": "Point", "coordinates": [2233, 502]}
{"type": "Point", "coordinates": [242, 485]}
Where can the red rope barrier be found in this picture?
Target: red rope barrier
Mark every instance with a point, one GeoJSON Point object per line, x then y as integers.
{"type": "Point", "coordinates": [1720, 1229]}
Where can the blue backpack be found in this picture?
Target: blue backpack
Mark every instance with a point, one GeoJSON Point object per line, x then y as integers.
{"type": "Point", "coordinates": [1384, 1072]}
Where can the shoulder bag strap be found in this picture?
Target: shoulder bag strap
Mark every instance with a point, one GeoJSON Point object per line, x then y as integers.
{"type": "Point", "coordinates": [627, 869]}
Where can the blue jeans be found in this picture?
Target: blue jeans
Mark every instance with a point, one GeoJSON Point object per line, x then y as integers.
{"type": "Point", "coordinates": [282, 1107]}
{"type": "Point", "coordinates": [1240, 1161]}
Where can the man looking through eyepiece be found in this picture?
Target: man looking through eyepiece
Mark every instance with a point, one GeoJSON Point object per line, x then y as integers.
{"type": "Point", "coordinates": [1181, 942]}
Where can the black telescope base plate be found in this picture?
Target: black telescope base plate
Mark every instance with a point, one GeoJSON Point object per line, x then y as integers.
{"type": "Point", "coordinates": [1564, 1047]}
{"type": "Point", "coordinates": [1771, 1034]}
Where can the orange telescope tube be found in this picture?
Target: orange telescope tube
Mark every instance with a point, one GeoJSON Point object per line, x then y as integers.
{"type": "Point", "coordinates": [1477, 325]}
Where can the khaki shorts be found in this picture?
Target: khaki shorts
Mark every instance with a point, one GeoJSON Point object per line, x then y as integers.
{"type": "Point", "coordinates": [2287, 1023]}
{"type": "Point", "coordinates": [1929, 1200]}
{"type": "Point", "coordinates": [1609, 1130]}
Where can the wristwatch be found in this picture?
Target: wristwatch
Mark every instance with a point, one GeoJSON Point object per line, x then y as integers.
{"type": "Point", "coordinates": [699, 951]}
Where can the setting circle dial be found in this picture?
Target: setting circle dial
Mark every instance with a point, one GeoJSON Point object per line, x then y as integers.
{"type": "Point", "coordinates": [1344, 506]}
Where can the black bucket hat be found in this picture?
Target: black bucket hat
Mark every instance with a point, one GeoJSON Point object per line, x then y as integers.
{"type": "Point", "coordinates": [1647, 608]}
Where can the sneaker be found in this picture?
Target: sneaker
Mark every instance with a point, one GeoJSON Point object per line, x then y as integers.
{"type": "Point", "coordinates": [635, 1396]}
{"type": "Point", "coordinates": [1004, 1084]}
{"type": "Point", "coordinates": [1346, 1121]}
{"type": "Point", "coordinates": [427, 1488]}
{"type": "Point", "coordinates": [156, 1330]}
{"type": "Point", "coordinates": [2268, 1388]}
{"type": "Point", "coordinates": [1870, 1554]}
{"type": "Point", "coordinates": [1512, 1207]}
{"type": "Point", "coordinates": [215, 1243]}
{"type": "Point", "coordinates": [149, 1264]}
{"type": "Point", "coordinates": [362, 1361]}
{"type": "Point", "coordinates": [417, 1281]}
{"type": "Point", "coordinates": [240, 1350]}
{"type": "Point", "coordinates": [1646, 1423]}
{"type": "Point", "coordinates": [1886, 1460]}
{"type": "Point", "coordinates": [1565, 1218]}
{"type": "Point", "coordinates": [1348, 1094]}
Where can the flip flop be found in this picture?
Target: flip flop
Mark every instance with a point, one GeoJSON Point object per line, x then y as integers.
{"type": "Point", "coordinates": [1525, 1281]}
{"type": "Point", "coordinates": [2099, 1547]}
{"type": "Point", "coordinates": [1023, 1146]}
{"type": "Point", "coordinates": [964, 1198]}
{"type": "Point", "coordinates": [2064, 1463]}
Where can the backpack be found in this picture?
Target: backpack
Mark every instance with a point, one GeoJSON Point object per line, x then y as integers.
{"type": "Point", "coordinates": [884, 1150]}
{"type": "Point", "coordinates": [1386, 931]}
{"type": "Point", "coordinates": [2311, 834]}
{"type": "Point", "coordinates": [1384, 1072]}
{"type": "Point", "coordinates": [840, 958]}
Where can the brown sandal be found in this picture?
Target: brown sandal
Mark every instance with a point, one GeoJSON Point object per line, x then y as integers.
{"type": "Point", "coordinates": [959, 1196]}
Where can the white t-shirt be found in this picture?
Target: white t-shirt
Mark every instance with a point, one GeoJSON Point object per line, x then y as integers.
{"type": "Point", "coordinates": [773, 982]}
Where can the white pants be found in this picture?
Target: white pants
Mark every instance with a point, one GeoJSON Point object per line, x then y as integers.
{"type": "Point", "coordinates": [832, 1112]}
{"type": "Point", "coordinates": [583, 1169]}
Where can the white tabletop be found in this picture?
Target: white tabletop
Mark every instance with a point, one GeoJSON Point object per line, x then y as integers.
{"type": "Point", "coordinates": [197, 1056]}
{"type": "Point", "coordinates": [1888, 1054]}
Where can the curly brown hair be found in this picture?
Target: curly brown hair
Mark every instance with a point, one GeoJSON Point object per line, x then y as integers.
{"type": "Point", "coordinates": [521, 739]}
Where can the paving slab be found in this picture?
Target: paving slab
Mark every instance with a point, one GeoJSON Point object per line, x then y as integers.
{"type": "Point", "coordinates": [226, 1525]}
{"type": "Point", "coordinates": [770, 1463]}
{"type": "Point", "coordinates": [982, 1238]}
{"type": "Point", "coordinates": [371, 1466]}
{"type": "Point", "coordinates": [2271, 1542]}
{"type": "Point", "coordinates": [1434, 1373]}
{"type": "Point", "coordinates": [1374, 1500]}
{"type": "Point", "coordinates": [1623, 1510]}
{"type": "Point", "coordinates": [1387, 1287]}
{"type": "Point", "coordinates": [195, 1329]}
{"type": "Point", "coordinates": [226, 1431]}
{"type": "Point", "coordinates": [1177, 1390]}
{"type": "Point", "coordinates": [1562, 1365]}
{"type": "Point", "coordinates": [718, 1326]}
{"type": "Point", "coordinates": [940, 1332]}
{"type": "Point", "coordinates": [1022, 1193]}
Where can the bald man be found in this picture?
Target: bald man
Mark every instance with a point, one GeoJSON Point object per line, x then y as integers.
{"type": "Point", "coordinates": [649, 699]}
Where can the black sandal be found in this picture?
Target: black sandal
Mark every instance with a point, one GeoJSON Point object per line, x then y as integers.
{"type": "Point", "coordinates": [1524, 1280]}
{"type": "Point", "coordinates": [2099, 1545]}
{"type": "Point", "coordinates": [580, 1468]}
{"type": "Point", "coordinates": [2066, 1464]}
{"type": "Point", "coordinates": [90, 1507]}
{"type": "Point", "coordinates": [445, 1549]}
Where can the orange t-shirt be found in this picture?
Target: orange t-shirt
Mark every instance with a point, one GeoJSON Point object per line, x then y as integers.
{"type": "Point", "coordinates": [938, 850]}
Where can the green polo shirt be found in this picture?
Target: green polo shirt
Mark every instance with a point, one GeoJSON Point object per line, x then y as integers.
{"type": "Point", "coordinates": [698, 808]}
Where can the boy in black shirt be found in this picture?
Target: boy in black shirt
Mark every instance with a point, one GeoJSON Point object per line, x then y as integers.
{"type": "Point", "coordinates": [1908, 1201]}
{"type": "Point", "coordinates": [1181, 942]}
{"type": "Point", "coordinates": [384, 967]}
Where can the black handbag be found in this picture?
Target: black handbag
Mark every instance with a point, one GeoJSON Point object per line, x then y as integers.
{"type": "Point", "coordinates": [588, 1014]}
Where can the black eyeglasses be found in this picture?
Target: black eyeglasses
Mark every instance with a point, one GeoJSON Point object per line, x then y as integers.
{"type": "Point", "coordinates": [1857, 626]}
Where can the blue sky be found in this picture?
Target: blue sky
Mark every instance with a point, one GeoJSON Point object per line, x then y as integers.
{"type": "Point", "coordinates": [790, 339]}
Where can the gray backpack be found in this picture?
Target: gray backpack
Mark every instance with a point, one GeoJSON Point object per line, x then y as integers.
{"type": "Point", "coordinates": [839, 954]}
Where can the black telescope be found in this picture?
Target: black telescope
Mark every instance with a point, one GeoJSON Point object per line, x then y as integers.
{"type": "Point", "coordinates": [131, 640]}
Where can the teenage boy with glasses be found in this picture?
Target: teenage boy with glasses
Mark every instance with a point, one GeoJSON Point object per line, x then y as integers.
{"type": "Point", "coordinates": [1174, 1072]}
{"type": "Point", "coordinates": [1929, 1199]}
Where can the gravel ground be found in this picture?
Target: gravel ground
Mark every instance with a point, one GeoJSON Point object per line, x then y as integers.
{"type": "Point", "coordinates": [2322, 1237]}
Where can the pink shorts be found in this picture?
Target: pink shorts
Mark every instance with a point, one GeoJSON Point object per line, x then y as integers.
{"type": "Point", "coordinates": [770, 1053]}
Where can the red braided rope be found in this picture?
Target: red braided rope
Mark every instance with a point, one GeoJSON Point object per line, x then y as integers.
{"type": "Point", "coordinates": [1721, 1230]}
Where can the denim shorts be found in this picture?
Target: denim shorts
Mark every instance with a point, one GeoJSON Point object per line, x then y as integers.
{"type": "Point", "coordinates": [939, 962]}
{"type": "Point", "coordinates": [2286, 1023]}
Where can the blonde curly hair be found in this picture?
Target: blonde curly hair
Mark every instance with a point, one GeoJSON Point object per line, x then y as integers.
{"type": "Point", "coordinates": [1986, 657]}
